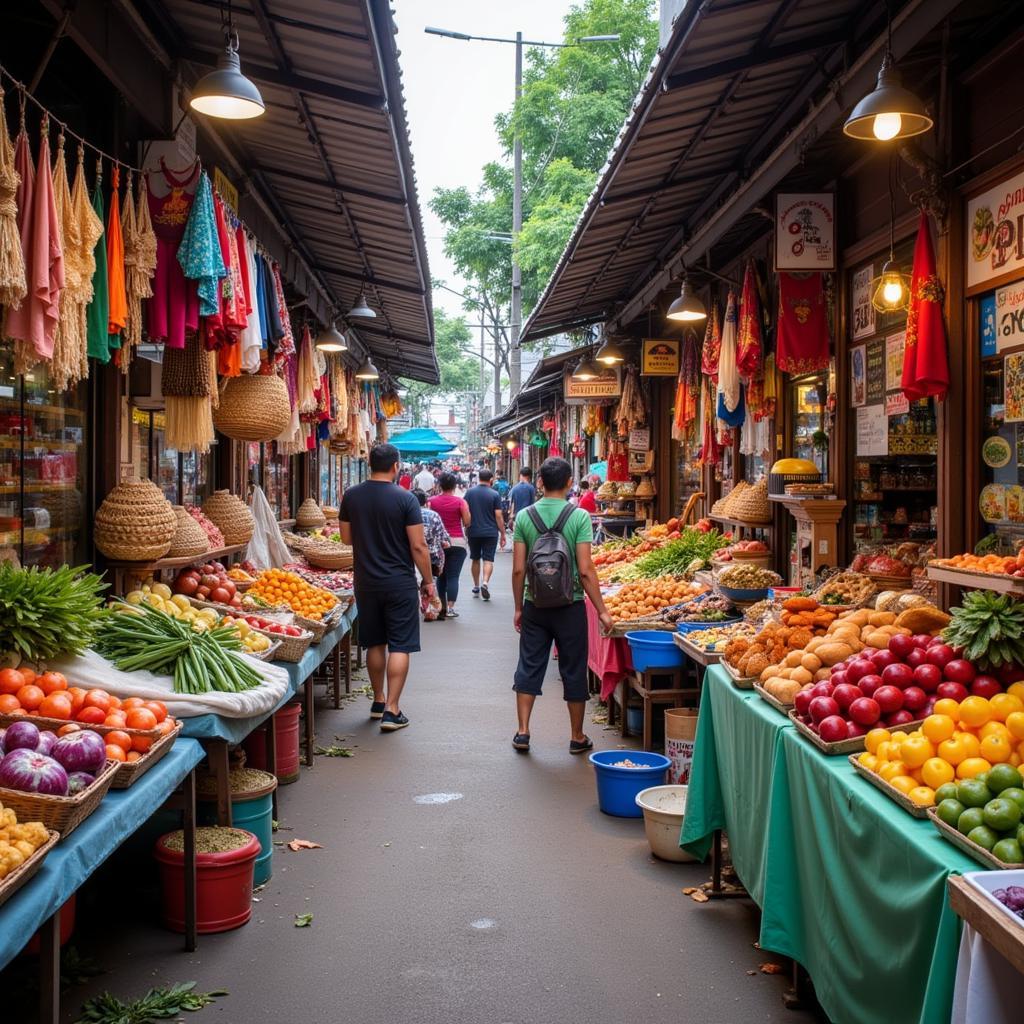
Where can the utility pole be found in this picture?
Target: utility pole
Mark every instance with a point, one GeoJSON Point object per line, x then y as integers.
{"type": "Point", "coordinates": [515, 356]}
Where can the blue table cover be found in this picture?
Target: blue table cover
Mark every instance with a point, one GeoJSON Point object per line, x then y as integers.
{"type": "Point", "coordinates": [234, 730]}
{"type": "Point", "coordinates": [66, 867]}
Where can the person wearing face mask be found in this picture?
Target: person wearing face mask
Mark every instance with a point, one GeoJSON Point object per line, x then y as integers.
{"type": "Point", "coordinates": [383, 524]}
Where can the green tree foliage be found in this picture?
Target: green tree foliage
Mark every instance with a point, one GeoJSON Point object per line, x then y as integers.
{"type": "Point", "coordinates": [459, 371]}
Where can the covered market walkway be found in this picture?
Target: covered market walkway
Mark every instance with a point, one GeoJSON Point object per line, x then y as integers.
{"type": "Point", "coordinates": [515, 901]}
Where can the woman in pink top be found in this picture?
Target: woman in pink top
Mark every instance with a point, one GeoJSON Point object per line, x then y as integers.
{"type": "Point", "coordinates": [454, 513]}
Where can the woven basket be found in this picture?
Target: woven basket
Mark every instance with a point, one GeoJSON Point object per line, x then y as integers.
{"type": "Point", "coordinates": [322, 557]}
{"type": "Point", "coordinates": [61, 813]}
{"type": "Point", "coordinates": [135, 523]}
{"type": "Point", "coordinates": [231, 516]}
{"type": "Point", "coordinates": [21, 874]}
{"type": "Point", "coordinates": [128, 773]}
{"type": "Point", "coordinates": [190, 538]}
{"type": "Point", "coordinates": [310, 516]}
{"type": "Point", "coordinates": [253, 407]}
{"type": "Point", "coordinates": [286, 648]}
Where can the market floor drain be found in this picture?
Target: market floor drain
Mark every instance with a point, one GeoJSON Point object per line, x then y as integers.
{"type": "Point", "coordinates": [436, 798]}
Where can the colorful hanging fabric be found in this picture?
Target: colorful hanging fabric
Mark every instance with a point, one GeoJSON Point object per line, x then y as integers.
{"type": "Point", "coordinates": [712, 345]}
{"type": "Point", "coordinates": [16, 318]}
{"type": "Point", "coordinates": [139, 263]}
{"type": "Point", "coordinates": [251, 338]}
{"type": "Point", "coordinates": [710, 454]}
{"type": "Point", "coordinates": [82, 261]}
{"type": "Point", "coordinates": [925, 364]}
{"type": "Point", "coordinates": [772, 386]}
{"type": "Point", "coordinates": [687, 388]}
{"type": "Point", "coordinates": [306, 377]}
{"type": "Point", "coordinates": [67, 339]}
{"type": "Point", "coordinates": [12, 260]}
{"type": "Point", "coordinates": [287, 342]}
{"type": "Point", "coordinates": [117, 302]}
{"type": "Point", "coordinates": [728, 373]}
{"type": "Point", "coordinates": [97, 319]}
{"type": "Point", "coordinates": [199, 253]}
{"type": "Point", "coordinates": [237, 314]}
{"type": "Point", "coordinates": [748, 342]}
{"type": "Point", "coordinates": [802, 333]}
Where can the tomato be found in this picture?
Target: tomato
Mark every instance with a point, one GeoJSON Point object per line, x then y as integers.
{"type": "Point", "coordinates": [115, 753]}
{"type": "Point", "coordinates": [166, 726]}
{"type": "Point", "coordinates": [8, 703]}
{"type": "Point", "coordinates": [158, 707]}
{"type": "Point", "coordinates": [51, 682]}
{"type": "Point", "coordinates": [98, 699]}
{"type": "Point", "coordinates": [70, 727]}
{"type": "Point", "coordinates": [115, 719]}
{"type": "Point", "coordinates": [141, 718]}
{"type": "Point", "coordinates": [133, 756]}
{"type": "Point", "coordinates": [56, 705]}
{"type": "Point", "coordinates": [119, 739]}
{"type": "Point", "coordinates": [77, 695]}
{"type": "Point", "coordinates": [29, 674]}
{"type": "Point", "coordinates": [142, 744]}
{"type": "Point", "coordinates": [11, 680]}
{"type": "Point", "coordinates": [30, 696]}
{"type": "Point", "coordinates": [115, 702]}
{"type": "Point", "coordinates": [132, 702]}
{"type": "Point", "coordinates": [90, 716]}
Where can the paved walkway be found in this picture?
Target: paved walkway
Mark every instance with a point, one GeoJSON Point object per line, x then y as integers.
{"type": "Point", "coordinates": [514, 902]}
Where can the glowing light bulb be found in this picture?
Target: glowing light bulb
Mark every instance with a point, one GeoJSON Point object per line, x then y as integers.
{"type": "Point", "coordinates": [892, 291]}
{"type": "Point", "coordinates": [887, 126]}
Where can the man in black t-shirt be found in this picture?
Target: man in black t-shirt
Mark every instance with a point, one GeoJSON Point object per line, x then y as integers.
{"type": "Point", "coordinates": [486, 531]}
{"type": "Point", "coordinates": [383, 524]}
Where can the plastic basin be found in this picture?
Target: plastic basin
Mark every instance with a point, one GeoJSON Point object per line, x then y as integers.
{"type": "Point", "coordinates": [664, 808]}
{"type": "Point", "coordinates": [618, 788]}
{"type": "Point", "coordinates": [742, 594]}
{"type": "Point", "coordinates": [654, 649]}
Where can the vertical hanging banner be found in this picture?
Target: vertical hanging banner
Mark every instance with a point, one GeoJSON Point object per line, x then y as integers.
{"type": "Point", "coordinates": [805, 231]}
{"type": "Point", "coordinates": [862, 313]}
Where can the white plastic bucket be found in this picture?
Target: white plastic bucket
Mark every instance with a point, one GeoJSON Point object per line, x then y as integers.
{"type": "Point", "coordinates": [664, 808]}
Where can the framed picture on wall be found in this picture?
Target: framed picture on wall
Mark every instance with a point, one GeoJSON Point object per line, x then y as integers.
{"type": "Point", "coordinates": [858, 376]}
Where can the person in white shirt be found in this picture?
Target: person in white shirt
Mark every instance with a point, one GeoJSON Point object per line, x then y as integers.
{"type": "Point", "coordinates": [424, 480]}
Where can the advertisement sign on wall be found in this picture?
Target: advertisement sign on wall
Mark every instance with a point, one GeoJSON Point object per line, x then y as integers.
{"type": "Point", "coordinates": [608, 384]}
{"type": "Point", "coordinates": [863, 313]}
{"type": "Point", "coordinates": [995, 232]}
{"type": "Point", "coordinates": [805, 231]}
{"type": "Point", "coordinates": [660, 357]}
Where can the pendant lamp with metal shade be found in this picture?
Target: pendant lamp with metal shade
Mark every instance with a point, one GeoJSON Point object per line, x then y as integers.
{"type": "Point", "coordinates": [330, 339]}
{"type": "Point", "coordinates": [610, 353]}
{"type": "Point", "coordinates": [687, 308]}
{"type": "Point", "coordinates": [890, 291]}
{"type": "Point", "coordinates": [361, 308]}
{"type": "Point", "coordinates": [586, 370]}
{"type": "Point", "coordinates": [367, 371]}
{"type": "Point", "coordinates": [225, 92]}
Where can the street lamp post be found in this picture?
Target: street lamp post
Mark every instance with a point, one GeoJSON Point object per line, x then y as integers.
{"type": "Point", "coordinates": [515, 356]}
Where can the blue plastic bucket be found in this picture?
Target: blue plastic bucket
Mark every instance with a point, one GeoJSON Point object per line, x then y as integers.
{"type": "Point", "coordinates": [652, 648]}
{"type": "Point", "coordinates": [253, 812]}
{"type": "Point", "coordinates": [618, 788]}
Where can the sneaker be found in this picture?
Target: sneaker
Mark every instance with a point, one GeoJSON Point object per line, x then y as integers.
{"type": "Point", "coordinates": [485, 593]}
{"type": "Point", "coordinates": [581, 746]}
{"type": "Point", "coordinates": [377, 709]}
{"type": "Point", "coordinates": [390, 722]}
{"type": "Point", "coordinates": [476, 592]}
{"type": "Point", "coordinates": [521, 741]}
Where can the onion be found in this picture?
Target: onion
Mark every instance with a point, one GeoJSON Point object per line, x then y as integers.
{"type": "Point", "coordinates": [21, 736]}
{"type": "Point", "coordinates": [82, 751]}
{"type": "Point", "coordinates": [29, 772]}
{"type": "Point", "coordinates": [77, 781]}
{"type": "Point", "coordinates": [46, 742]}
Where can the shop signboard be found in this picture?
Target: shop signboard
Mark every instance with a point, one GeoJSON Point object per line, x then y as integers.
{"type": "Point", "coordinates": [995, 232]}
{"type": "Point", "coordinates": [606, 385]}
{"type": "Point", "coordinates": [639, 440]}
{"type": "Point", "coordinates": [227, 191]}
{"type": "Point", "coordinates": [805, 231]}
{"type": "Point", "coordinates": [660, 357]}
{"type": "Point", "coordinates": [872, 430]}
{"type": "Point", "coordinates": [875, 371]}
{"type": "Point", "coordinates": [1009, 316]}
{"type": "Point", "coordinates": [863, 313]}
{"type": "Point", "coordinates": [896, 403]}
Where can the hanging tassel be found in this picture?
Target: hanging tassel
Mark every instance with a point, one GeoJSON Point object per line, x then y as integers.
{"type": "Point", "coordinates": [12, 259]}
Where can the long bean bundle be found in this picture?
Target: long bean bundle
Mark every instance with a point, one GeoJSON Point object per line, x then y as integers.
{"type": "Point", "coordinates": [145, 638]}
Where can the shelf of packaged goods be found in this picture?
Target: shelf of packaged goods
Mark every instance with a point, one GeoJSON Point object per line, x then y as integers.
{"type": "Point", "coordinates": [998, 582]}
{"type": "Point", "coordinates": [33, 442]}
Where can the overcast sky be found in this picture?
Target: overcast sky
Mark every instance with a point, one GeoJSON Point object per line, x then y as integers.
{"type": "Point", "coordinates": [453, 89]}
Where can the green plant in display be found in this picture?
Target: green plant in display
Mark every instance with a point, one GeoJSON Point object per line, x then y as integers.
{"type": "Point", "coordinates": [156, 1004]}
{"type": "Point", "coordinates": [687, 554]}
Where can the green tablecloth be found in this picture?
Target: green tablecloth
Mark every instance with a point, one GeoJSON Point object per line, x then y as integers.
{"type": "Point", "coordinates": [850, 886]}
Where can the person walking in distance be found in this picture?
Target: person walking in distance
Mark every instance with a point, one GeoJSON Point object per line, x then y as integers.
{"type": "Point", "coordinates": [454, 513]}
{"type": "Point", "coordinates": [486, 532]}
{"type": "Point", "coordinates": [587, 501]}
{"type": "Point", "coordinates": [523, 495]}
{"type": "Point", "coordinates": [552, 569]}
{"type": "Point", "coordinates": [384, 526]}
{"type": "Point", "coordinates": [424, 480]}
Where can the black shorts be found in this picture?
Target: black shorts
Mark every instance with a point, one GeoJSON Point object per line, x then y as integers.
{"type": "Point", "coordinates": [567, 628]}
{"type": "Point", "coordinates": [482, 548]}
{"type": "Point", "coordinates": [389, 617]}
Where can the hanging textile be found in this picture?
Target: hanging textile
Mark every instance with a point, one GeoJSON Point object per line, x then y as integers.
{"type": "Point", "coordinates": [199, 253]}
{"type": "Point", "coordinates": [712, 345]}
{"type": "Point", "coordinates": [185, 383]}
{"type": "Point", "coordinates": [687, 388]}
{"type": "Point", "coordinates": [251, 339]}
{"type": "Point", "coordinates": [630, 412]}
{"type": "Point", "coordinates": [67, 339]}
{"type": "Point", "coordinates": [139, 264]}
{"type": "Point", "coordinates": [83, 261]}
{"type": "Point", "coordinates": [925, 364]}
{"type": "Point", "coordinates": [117, 302]}
{"type": "Point", "coordinates": [287, 342]}
{"type": "Point", "coordinates": [307, 377]}
{"type": "Point", "coordinates": [802, 334]}
{"type": "Point", "coordinates": [12, 261]}
{"type": "Point", "coordinates": [728, 372]}
{"type": "Point", "coordinates": [175, 302]}
{"type": "Point", "coordinates": [710, 454]}
{"type": "Point", "coordinates": [97, 320]}
{"type": "Point", "coordinates": [748, 343]}
{"type": "Point", "coordinates": [16, 319]}
{"type": "Point", "coordinates": [238, 311]}
{"type": "Point", "coordinates": [755, 436]}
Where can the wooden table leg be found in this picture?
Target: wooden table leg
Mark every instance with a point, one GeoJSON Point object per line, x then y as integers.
{"type": "Point", "coordinates": [49, 970]}
{"type": "Point", "coordinates": [188, 788]}
{"type": "Point", "coordinates": [648, 724]}
{"type": "Point", "coordinates": [336, 672]}
{"type": "Point", "coordinates": [270, 746]}
{"type": "Point", "coordinates": [623, 707]}
{"type": "Point", "coordinates": [308, 712]}
{"type": "Point", "coordinates": [355, 641]}
{"type": "Point", "coordinates": [217, 752]}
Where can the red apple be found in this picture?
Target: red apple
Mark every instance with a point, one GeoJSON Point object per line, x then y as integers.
{"type": "Point", "coordinates": [958, 671]}
{"type": "Point", "coordinates": [869, 684]}
{"type": "Point", "coordinates": [927, 676]}
{"type": "Point", "coordinates": [916, 657]}
{"type": "Point", "coordinates": [984, 686]}
{"type": "Point", "coordinates": [914, 698]}
{"type": "Point", "coordinates": [821, 708]}
{"type": "Point", "coordinates": [858, 668]}
{"type": "Point", "coordinates": [853, 730]}
{"type": "Point", "coordinates": [898, 675]}
{"type": "Point", "coordinates": [1008, 674]}
{"type": "Point", "coordinates": [901, 645]}
{"type": "Point", "coordinates": [802, 700]}
{"type": "Point", "coordinates": [926, 640]}
{"type": "Point", "coordinates": [951, 691]}
{"type": "Point", "coordinates": [883, 658]}
{"type": "Point", "coordinates": [832, 729]}
{"type": "Point", "coordinates": [865, 711]}
{"type": "Point", "coordinates": [929, 708]}
{"type": "Point", "coordinates": [939, 654]}
{"type": "Point", "coordinates": [889, 698]}
{"type": "Point", "coordinates": [898, 718]}
{"type": "Point", "coordinates": [845, 694]}
{"type": "Point", "coordinates": [839, 678]}
{"type": "Point", "coordinates": [823, 689]}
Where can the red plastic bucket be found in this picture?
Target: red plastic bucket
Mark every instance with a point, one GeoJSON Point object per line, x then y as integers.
{"type": "Point", "coordinates": [286, 731]}
{"type": "Point", "coordinates": [223, 886]}
{"type": "Point", "coordinates": [67, 926]}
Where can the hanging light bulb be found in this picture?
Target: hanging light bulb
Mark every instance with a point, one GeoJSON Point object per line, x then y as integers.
{"type": "Point", "coordinates": [226, 92]}
{"type": "Point", "coordinates": [610, 354]}
{"type": "Point", "coordinates": [687, 307]}
{"type": "Point", "coordinates": [367, 371]}
{"type": "Point", "coordinates": [892, 291]}
{"type": "Point", "coordinates": [330, 339]}
{"type": "Point", "coordinates": [586, 370]}
{"type": "Point", "coordinates": [361, 308]}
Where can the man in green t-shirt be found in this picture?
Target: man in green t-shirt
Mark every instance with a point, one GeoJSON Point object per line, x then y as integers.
{"type": "Point", "coordinates": [565, 626]}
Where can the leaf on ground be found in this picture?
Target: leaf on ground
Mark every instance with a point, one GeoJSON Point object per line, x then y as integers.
{"type": "Point", "coordinates": [303, 844]}
{"type": "Point", "coordinates": [303, 920]}
{"type": "Point", "coordinates": [699, 896]}
{"type": "Point", "coordinates": [770, 968]}
{"type": "Point", "coordinates": [333, 751]}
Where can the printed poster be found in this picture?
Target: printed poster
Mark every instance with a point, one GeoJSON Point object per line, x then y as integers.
{"type": "Point", "coordinates": [805, 231]}
{"type": "Point", "coordinates": [858, 376]}
{"type": "Point", "coordinates": [660, 357]}
{"type": "Point", "coordinates": [1009, 316]}
{"type": "Point", "coordinates": [863, 313]}
{"type": "Point", "coordinates": [896, 404]}
{"type": "Point", "coordinates": [988, 332]}
{"type": "Point", "coordinates": [995, 232]}
{"type": "Point", "coordinates": [872, 430]}
{"type": "Point", "coordinates": [894, 345]}
{"type": "Point", "coordinates": [1013, 388]}
{"type": "Point", "coordinates": [875, 372]}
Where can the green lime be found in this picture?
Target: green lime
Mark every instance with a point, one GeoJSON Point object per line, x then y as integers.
{"type": "Point", "coordinates": [1014, 793]}
{"type": "Point", "coordinates": [982, 777]}
{"type": "Point", "coordinates": [1002, 815]}
{"type": "Point", "coordinates": [949, 811]}
{"type": "Point", "coordinates": [971, 818]}
{"type": "Point", "coordinates": [947, 791]}
{"type": "Point", "coordinates": [1008, 851]}
{"type": "Point", "coordinates": [1003, 776]}
{"type": "Point", "coordinates": [983, 836]}
{"type": "Point", "coordinates": [1020, 833]}
{"type": "Point", "coordinates": [973, 793]}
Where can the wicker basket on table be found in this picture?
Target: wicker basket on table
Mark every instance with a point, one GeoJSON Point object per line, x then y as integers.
{"type": "Point", "coordinates": [253, 407]}
{"type": "Point", "coordinates": [287, 648]}
{"type": "Point", "coordinates": [15, 879]}
{"type": "Point", "coordinates": [189, 539]}
{"type": "Point", "coordinates": [231, 516]}
{"type": "Point", "coordinates": [310, 516]}
{"type": "Point", "coordinates": [335, 557]}
{"type": "Point", "coordinates": [63, 814]}
{"type": "Point", "coordinates": [135, 523]}
{"type": "Point", "coordinates": [128, 773]}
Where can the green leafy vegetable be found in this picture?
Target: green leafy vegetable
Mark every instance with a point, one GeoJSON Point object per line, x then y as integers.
{"type": "Point", "coordinates": [157, 1004]}
{"type": "Point", "coordinates": [303, 920]}
{"type": "Point", "coordinates": [690, 552]}
{"type": "Point", "coordinates": [989, 628]}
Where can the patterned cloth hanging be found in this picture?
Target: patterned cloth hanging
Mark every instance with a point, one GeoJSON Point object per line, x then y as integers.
{"type": "Point", "coordinates": [97, 320]}
{"type": "Point", "coordinates": [12, 261]}
{"type": "Point", "coordinates": [710, 454]}
{"type": "Point", "coordinates": [199, 253]}
{"type": "Point", "coordinates": [117, 302]}
{"type": "Point", "coordinates": [925, 364]}
{"type": "Point", "coordinates": [802, 335]}
{"type": "Point", "coordinates": [748, 343]}
{"type": "Point", "coordinates": [307, 376]}
{"type": "Point", "coordinates": [712, 345]}
{"type": "Point", "coordinates": [139, 264]}
{"type": "Point", "coordinates": [687, 388]}
{"type": "Point", "coordinates": [67, 341]}
{"type": "Point", "coordinates": [728, 372]}
{"type": "Point", "coordinates": [90, 231]}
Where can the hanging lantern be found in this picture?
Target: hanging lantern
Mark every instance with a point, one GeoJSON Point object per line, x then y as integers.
{"type": "Point", "coordinates": [537, 439]}
{"type": "Point", "coordinates": [891, 289]}
{"type": "Point", "coordinates": [688, 307]}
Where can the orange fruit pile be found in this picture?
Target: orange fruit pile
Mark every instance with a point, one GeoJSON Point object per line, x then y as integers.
{"type": "Point", "coordinates": [278, 586]}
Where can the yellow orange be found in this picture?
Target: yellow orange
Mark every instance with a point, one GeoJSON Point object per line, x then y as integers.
{"type": "Point", "coordinates": [971, 744]}
{"type": "Point", "coordinates": [892, 770]}
{"type": "Point", "coordinates": [915, 750]}
{"type": "Point", "coordinates": [938, 727]}
{"type": "Point", "coordinates": [975, 711]}
{"type": "Point", "coordinates": [877, 736]}
{"type": "Point", "coordinates": [937, 772]}
{"type": "Point", "coordinates": [923, 796]}
{"type": "Point", "coordinates": [994, 728]}
{"type": "Point", "coordinates": [972, 766]}
{"type": "Point", "coordinates": [1015, 724]}
{"type": "Point", "coordinates": [1005, 704]}
{"type": "Point", "coordinates": [904, 783]}
{"type": "Point", "coordinates": [887, 750]}
{"type": "Point", "coordinates": [1016, 689]}
{"type": "Point", "coordinates": [869, 761]}
{"type": "Point", "coordinates": [996, 749]}
{"type": "Point", "coordinates": [948, 707]}
{"type": "Point", "coordinates": [953, 750]}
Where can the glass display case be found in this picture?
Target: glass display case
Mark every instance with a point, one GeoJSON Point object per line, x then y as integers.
{"type": "Point", "coordinates": [184, 477]}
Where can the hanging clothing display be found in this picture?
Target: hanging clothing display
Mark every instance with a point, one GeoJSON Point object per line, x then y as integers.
{"type": "Point", "coordinates": [12, 261]}
{"type": "Point", "coordinates": [139, 264]}
{"type": "Point", "coordinates": [66, 339]}
{"type": "Point", "coordinates": [755, 436]}
{"type": "Point", "coordinates": [687, 388]}
{"type": "Point", "coordinates": [802, 340]}
{"type": "Point", "coordinates": [97, 320]}
{"type": "Point", "coordinates": [251, 339]}
{"type": "Point", "coordinates": [117, 302]}
{"type": "Point", "coordinates": [925, 363]}
{"type": "Point", "coordinates": [710, 453]}
{"type": "Point", "coordinates": [286, 344]}
{"type": "Point", "coordinates": [712, 345]}
{"type": "Point", "coordinates": [728, 373]}
{"type": "Point", "coordinates": [83, 262]}
{"type": "Point", "coordinates": [200, 253]}
{"type": "Point", "coordinates": [307, 376]}
{"type": "Point", "coordinates": [748, 342]}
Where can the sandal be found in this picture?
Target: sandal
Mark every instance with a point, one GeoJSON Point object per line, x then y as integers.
{"type": "Point", "coordinates": [521, 741]}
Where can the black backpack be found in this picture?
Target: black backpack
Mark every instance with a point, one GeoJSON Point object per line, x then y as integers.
{"type": "Point", "coordinates": [549, 564]}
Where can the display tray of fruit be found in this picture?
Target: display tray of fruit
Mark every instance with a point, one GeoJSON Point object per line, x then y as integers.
{"type": "Point", "coordinates": [646, 599]}
{"type": "Point", "coordinates": [715, 639]}
{"type": "Point", "coordinates": [845, 590]}
{"type": "Point", "coordinates": [23, 848]}
{"type": "Point", "coordinates": [982, 847]}
{"type": "Point", "coordinates": [311, 603]}
{"type": "Point", "coordinates": [984, 565]}
{"type": "Point", "coordinates": [917, 810]}
{"type": "Point", "coordinates": [703, 610]}
{"type": "Point", "coordinates": [139, 758]}
{"type": "Point", "coordinates": [741, 682]}
{"type": "Point", "coordinates": [846, 740]}
{"type": "Point", "coordinates": [1004, 890]}
{"type": "Point", "coordinates": [772, 701]}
